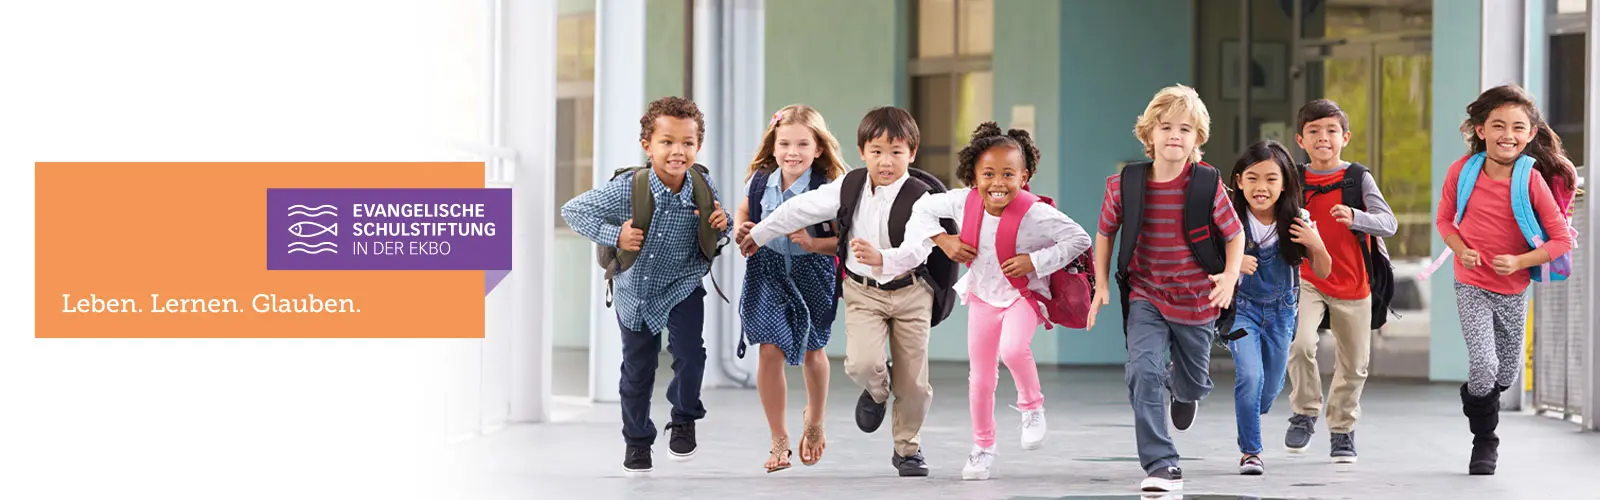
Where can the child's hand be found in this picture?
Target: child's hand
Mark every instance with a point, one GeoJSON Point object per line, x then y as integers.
{"type": "Point", "coordinates": [1248, 265]}
{"type": "Point", "coordinates": [865, 253]}
{"type": "Point", "coordinates": [747, 245]}
{"type": "Point", "coordinates": [1102, 297]}
{"type": "Point", "coordinates": [1345, 215]}
{"type": "Point", "coordinates": [805, 240]}
{"type": "Point", "coordinates": [631, 238]}
{"type": "Point", "coordinates": [957, 251]}
{"type": "Point", "coordinates": [1504, 265]}
{"type": "Point", "coordinates": [743, 230]}
{"type": "Point", "coordinates": [1469, 258]}
{"type": "Point", "coordinates": [1305, 233]}
{"type": "Point", "coordinates": [719, 217]}
{"type": "Point", "coordinates": [1222, 289]}
{"type": "Point", "coordinates": [1018, 266]}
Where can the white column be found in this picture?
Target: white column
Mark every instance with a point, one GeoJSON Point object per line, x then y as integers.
{"type": "Point", "coordinates": [729, 88]}
{"type": "Point", "coordinates": [618, 104]}
{"type": "Point", "coordinates": [525, 122]}
{"type": "Point", "coordinates": [1591, 126]}
{"type": "Point", "coordinates": [1502, 55]}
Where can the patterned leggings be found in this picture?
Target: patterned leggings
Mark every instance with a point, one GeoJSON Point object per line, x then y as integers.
{"type": "Point", "coordinates": [1493, 325]}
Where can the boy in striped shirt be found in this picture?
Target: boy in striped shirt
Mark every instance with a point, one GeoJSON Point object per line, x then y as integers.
{"type": "Point", "coordinates": [1172, 301]}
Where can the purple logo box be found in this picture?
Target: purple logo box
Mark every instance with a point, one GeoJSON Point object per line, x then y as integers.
{"type": "Point", "coordinates": [388, 229]}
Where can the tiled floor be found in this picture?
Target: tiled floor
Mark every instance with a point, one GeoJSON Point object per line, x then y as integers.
{"type": "Point", "coordinates": [1413, 441]}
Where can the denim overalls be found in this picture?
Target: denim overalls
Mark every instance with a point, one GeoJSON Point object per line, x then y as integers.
{"type": "Point", "coordinates": [1265, 308]}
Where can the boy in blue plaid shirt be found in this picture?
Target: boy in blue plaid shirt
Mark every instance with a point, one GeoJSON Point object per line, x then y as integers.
{"type": "Point", "coordinates": [661, 289]}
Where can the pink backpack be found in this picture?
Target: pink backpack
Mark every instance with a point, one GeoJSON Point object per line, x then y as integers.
{"type": "Point", "coordinates": [1070, 289]}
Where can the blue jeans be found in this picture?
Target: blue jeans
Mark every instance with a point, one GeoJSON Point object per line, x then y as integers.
{"type": "Point", "coordinates": [1150, 339]}
{"type": "Point", "coordinates": [641, 353]}
{"type": "Point", "coordinates": [1259, 360]}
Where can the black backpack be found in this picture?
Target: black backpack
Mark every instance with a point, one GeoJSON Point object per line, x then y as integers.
{"type": "Point", "coordinates": [1201, 234]}
{"type": "Point", "coordinates": [1380, 273]}
{"type": "Point", "coordinates": [939, 270]}
{"type": "Point", "coordinates": [615, 260]}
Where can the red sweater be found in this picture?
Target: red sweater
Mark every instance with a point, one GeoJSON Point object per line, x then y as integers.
{"type": "Point", "coordinates": [1490, 227]}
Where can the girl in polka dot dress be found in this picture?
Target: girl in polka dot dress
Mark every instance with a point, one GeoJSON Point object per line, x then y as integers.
{"type": "Point", "coordinates": [788, 304]}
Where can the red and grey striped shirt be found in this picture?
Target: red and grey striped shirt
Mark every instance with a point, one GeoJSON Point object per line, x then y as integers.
{"type": "Point", "coordinates": [1163, 272]}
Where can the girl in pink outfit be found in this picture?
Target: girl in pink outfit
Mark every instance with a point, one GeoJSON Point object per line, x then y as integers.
{"type": "Point", "coordinates": [1000, 324]}
{"type": "Point", "coordinates": [1493, 256]}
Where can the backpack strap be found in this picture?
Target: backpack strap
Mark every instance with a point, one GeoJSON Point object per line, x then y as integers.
{"type": "Point", "coordinates": [1005, 246]}
{"type": "Point", "coordinates": [1353, 195]}
{"type": "Point", "coordinates": [900, 211]}
{"type": "Point", "coordinates": [1200, 231]}
{"type": "Point", "coordinates": [1466, 182]}
{"type": "Point", "coordinates": [1133, 180]}
{"type": "Point", "coordinates": [849, 197]}
{"type": "Point", "coordinates": [972, 220]}
{"type": "Point", "coordinates": [758, 190]}
{"type": "Point", "coordinates": [711, 241]}
{"type": "Point", "coordinates": [1132, 194]}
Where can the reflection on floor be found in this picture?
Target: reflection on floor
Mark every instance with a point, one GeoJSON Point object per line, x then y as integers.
{"type": "Point", "coordinates": [1413, 441]}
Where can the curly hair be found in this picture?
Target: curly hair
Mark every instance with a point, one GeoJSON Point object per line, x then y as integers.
{"type": "Point", "coordinates": [676, 107]}
{"type": "Point", "coordinates": [988, 136]}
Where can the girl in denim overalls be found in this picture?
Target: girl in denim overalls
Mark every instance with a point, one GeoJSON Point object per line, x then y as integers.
{"type": "Point", "coordinates": [1266, 191]}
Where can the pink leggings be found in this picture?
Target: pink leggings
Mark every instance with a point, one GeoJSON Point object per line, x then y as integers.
{"type": "Point", "coordinates": [1006, 333]}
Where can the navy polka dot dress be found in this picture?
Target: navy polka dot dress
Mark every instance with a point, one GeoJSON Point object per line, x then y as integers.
{"type": "Point", "coordinates": [788, 301]}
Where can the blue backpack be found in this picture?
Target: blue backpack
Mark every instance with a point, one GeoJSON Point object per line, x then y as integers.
{"type": "Point", "coordinates": [1521, 207]}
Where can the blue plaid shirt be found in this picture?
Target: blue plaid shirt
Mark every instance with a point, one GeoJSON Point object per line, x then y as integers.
{"type": "Point", "coordinates": [669, 267]}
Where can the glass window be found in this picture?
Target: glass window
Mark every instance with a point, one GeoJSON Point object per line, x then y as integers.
{"type": "Point", "coordinates": [952, 88]}
{"type": "Point", "coordinates": [574, 107]}
{"type": "Point", "coordinates": [1566, 93]}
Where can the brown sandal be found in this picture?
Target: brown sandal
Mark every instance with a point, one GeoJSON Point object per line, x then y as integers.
{"type": "Point", "coordinates": [811, 436]}
{"type": "Point", "coordinates": [779, 455]}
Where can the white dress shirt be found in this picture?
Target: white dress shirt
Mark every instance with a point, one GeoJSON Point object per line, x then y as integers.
{"type": "Point", "coordinates": [871, 220]}
{"type": "Point", "coordinates": [1048, 236]}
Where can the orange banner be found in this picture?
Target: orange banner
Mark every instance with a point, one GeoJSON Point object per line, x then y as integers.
{"type": "Point", "coordinates": [179, 250]}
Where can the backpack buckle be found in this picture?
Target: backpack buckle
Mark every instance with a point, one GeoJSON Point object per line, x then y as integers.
{"type": "Point", "coordinates": [1200, 234]}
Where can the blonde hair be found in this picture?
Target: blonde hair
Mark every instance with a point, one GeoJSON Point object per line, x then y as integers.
{"type": "Point", "coordinates": [828, 162]}
{"type": "Point", "coordinates": [1175, 100]}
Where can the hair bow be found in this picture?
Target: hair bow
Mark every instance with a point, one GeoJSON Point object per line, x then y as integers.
{"type": "Point", "coordinates": [775, 117]}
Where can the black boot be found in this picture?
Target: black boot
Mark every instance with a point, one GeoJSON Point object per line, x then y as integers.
{"type": "Point", "coordinates": [1483, 416]}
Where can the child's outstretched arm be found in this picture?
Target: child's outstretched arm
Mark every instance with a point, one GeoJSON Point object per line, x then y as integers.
{"type": "Point", "coordinates": [1379, 219]}
{"type": "Point", "coordinates": [922, 228]}
{"type": "Point", "coordinates": [1110, 222]}
{"type": "Point", "coordinates": [1227, 220]}
{"type": "Point", "coordinates": [812, 207]}
{"type": "Point", "coordinates": [600, 213]}
{"type": "Point", "coordinates": [1445, 222]}
{"type": "Point", "coordinates": [1070, 240]}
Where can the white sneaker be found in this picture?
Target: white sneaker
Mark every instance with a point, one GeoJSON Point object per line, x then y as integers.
{"type": "Point", "coordinates": [978, 464]}
{"type": "Point", "coordinates": [1033, 428]}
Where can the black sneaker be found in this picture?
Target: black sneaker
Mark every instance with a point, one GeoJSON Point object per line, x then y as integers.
{"type": "Point", "coordinates": [869, 413]}
{"type": "Point", "coordinates": [682, 446]}
{"type": "Point", "coordinates": [636, 461]}
{"type": "Point", "coordinates": [1251, 465]}
{"type": "Point", "coordinates": [1301, 427]}
{"type": "Point", "coordinates": [910, 466]}
{"type": "Point", "coordinates": [1163, 480]}
{"type": "Point", "coordinates": [1344, 448]}
{"type": "Point", "coordinates": [1183, 414]}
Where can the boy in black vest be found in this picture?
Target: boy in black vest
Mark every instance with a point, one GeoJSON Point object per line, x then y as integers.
{"type": "Point", "coordinates": [658, 286]}
{"type": "Point", "coordinates": [898, 310]}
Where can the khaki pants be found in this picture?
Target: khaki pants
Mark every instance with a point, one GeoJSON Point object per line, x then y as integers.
{"type": "Point", "coordinates": [1351, 322]}
{"type": "Point", "coordinates": [900, 318]}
